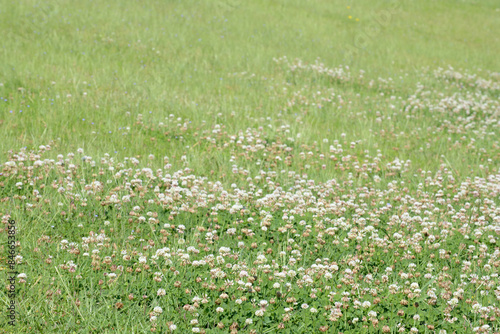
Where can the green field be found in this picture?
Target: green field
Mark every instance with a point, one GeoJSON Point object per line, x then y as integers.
{"type": "Point", "coordinates": [250, 166]}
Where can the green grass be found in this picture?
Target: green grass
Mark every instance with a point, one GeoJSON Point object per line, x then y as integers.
{"type": "Point", "coordinates": [170, 58]}
{"type": "Point", "coordinates": [205, 85]}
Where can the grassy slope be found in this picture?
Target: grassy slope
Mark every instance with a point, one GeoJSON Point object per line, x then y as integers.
{"type": "Point", "coordinates": [170, 58]}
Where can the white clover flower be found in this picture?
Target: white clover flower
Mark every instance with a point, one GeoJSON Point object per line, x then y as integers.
{"type": "Point", "coordinates": [261, 258]}
{"type": "Point", "coordinates": [259, 312]}
{"type": "Point", "coordinates": [161, 292]}
{"type": "Point", "coordinates": [249, 321]}
{"type": "Point", "coordinates": [219, 310]}
{"type": "Point", "coordinates": [476, 307]}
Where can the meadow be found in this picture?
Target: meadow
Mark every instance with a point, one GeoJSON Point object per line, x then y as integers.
{"type": "Point", "coordinates": [231, 166]}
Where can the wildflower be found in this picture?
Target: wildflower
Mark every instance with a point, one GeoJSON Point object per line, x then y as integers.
{"type": "Point", "coordinates": [259, 313]}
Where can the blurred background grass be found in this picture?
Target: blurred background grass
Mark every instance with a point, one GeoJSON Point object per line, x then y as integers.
{"type": "Point", "coordinates": [71, 71]}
